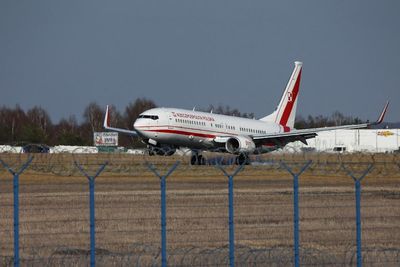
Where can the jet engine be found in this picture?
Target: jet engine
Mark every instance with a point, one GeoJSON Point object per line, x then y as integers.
{"type": "Point", "coordinates": [240, 144]}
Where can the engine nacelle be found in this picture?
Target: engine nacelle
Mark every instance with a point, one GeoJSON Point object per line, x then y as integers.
{"type": "Point", "coordinates": [240, 144]}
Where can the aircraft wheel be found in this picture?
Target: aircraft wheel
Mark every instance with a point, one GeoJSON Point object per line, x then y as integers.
{"type": "Point", "coordinates": [242, 159]}
{"type": "Point", "coordinates": [197, 160]}
{"type": "Point", "coordinates": [202, 160]}
{"type": "Point", "coordinates": [194, 159]}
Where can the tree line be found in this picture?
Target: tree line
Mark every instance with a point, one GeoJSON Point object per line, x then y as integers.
{"type": "Point", "coordinates": [36, 126]}
{"type": "Point", "coordinates": [336, 119]}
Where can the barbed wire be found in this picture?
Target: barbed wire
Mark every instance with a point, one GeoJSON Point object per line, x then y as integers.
{"type": "Point", "coordinates": [55, 226]}
{"type": "Point", "coordinates": [62, 164]}
{"type": "Point", "coordinates": [149, 255]}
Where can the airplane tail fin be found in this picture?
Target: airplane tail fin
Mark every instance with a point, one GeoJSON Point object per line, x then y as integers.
{"type": "Point", "coordinates": [285, 113]}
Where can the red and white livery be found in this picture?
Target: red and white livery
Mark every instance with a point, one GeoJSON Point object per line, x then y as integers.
{"type": "Point", "coordinates": [166, 129]}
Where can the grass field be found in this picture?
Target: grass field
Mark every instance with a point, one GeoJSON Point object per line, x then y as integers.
{"type": "Point", "coordinates": [54, 211]}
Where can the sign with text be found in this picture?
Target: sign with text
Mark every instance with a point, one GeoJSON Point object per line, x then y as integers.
{"type": "Point", "coordinates": [105, 139]}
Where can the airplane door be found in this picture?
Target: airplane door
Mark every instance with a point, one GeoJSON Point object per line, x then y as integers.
{"type": "Point", "coordinates": [154, 122]}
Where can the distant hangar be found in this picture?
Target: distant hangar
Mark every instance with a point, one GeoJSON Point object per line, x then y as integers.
{"type": "Point", "coordinates": [361, 140]}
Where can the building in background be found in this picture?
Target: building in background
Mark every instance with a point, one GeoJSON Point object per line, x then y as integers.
{"type": "Point", "coordinates": [362, 140]}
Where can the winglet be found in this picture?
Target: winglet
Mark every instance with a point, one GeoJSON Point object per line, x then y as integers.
{"type": "Point", "coordinates": [106, 123]}
{"type": "Point", "coordinates": [382, 116]}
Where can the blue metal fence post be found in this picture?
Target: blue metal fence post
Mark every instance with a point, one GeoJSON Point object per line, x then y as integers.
{"type": "Point", "coordinates": [358, 222]}
{"type": "Point", "coordinates": [231, 223]}
{"type": "Point", "coordinates": [163, 222]}
{"type": "Point", "coordinates": [296, 227]}
{"type": "Point", "coordinates": [92, 223]}
{"type": "Point", "coordinates": [231, 219]}
{"type": "Point", "coordinates": [163, 209]}
{"type": "Point", "coordinates": [16, 218]}
{"type": "Point", "coordinates": [357, 185]}
{"type": "Point", "coordinates": [16, 205]}
{"type": "Point", "coordinates": [296, 215]}
{"type": "Point", "coordinates": [91, 180]}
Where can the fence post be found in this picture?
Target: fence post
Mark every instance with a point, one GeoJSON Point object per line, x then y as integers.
{"type": "Point", "coordinates": [357, 186]}
{"type": "Point", "coordinates": [231, 219]}
{"type": "Point", "coordinates": [296, 215]}
{"type": "Point", "coordinates": [16, 204]}
{"type": "Point", "coordinates": [91, 180]}
{"type": "Point", "coordinates": [163, 209]}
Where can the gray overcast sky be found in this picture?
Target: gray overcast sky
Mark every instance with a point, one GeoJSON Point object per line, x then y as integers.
{"type": "Point", "coordinates": [63, 54]}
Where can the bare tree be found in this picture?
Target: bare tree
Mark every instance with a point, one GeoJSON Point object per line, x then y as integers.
{"type": "Point", "coordinates": [116, 119]}
{"type": "Point", "coordinates": [133, 110]}
{"type": "Point", "coordinates": [337, 118]}
{"type": "Point", "coordinates": [69, 132]}
{"type": "Point", "coordinates": [7, 124]}
{"type": "Point", "coordinates": [15, 121]}
{"type": "Point", "coordinates": [226, 110]}
{"type": "Point", "coordinates": [93, 115]}
{"type": "Point", "coordinates": [39, 117]}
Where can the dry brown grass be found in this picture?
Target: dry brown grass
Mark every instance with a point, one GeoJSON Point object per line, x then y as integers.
{"type": "Point", "coordinates": [55, 217]}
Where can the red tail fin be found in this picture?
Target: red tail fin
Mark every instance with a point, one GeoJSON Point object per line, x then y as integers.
{"type": "Point", "coordinates": [286, 111]}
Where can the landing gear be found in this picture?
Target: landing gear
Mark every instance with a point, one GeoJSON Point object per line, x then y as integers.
{"type": "Point", "coordinates": [197, 159]}
{"type": "Point", "coordinates": [161, 151]}
{"type": "Point", "coordinates": [242, 159]}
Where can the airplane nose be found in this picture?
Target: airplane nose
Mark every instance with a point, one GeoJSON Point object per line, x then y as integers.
{"type": "Point", "coordinates": [135, 124]}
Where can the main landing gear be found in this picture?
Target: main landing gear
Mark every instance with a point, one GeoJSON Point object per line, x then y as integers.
{"type": "Point", "coordinates": [161, 151]}
{"type": "Point", "coordinates": [242, 159]}
{"type": "Point", "coordinates": [197, 159]}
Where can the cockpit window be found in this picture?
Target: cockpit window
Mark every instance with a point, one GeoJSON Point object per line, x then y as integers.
{"type": "Point", "coordinates": [153, 117]}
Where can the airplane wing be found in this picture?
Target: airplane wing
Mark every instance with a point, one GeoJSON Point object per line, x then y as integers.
{"type": "Point", "coordinates": [107, 126]}
{"type": "Point", "coordinates": [282, 139]}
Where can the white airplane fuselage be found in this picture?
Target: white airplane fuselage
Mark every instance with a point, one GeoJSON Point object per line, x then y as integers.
{"type": "Point", "coordinates": [198, 130]}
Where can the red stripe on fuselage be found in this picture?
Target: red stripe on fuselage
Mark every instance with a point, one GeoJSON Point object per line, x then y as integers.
{"type": "Point", "coordinates": [289, 105]}
{"type": "Point", "coordinates": [182, 133]}
{"type": "Point", "coordinates": [145, 128]}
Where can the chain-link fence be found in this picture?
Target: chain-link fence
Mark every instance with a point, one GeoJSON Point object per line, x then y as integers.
{"type": "Point", "coordinates": [207, 218]}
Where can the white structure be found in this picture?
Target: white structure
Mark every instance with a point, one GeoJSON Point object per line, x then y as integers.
{"type": "Point", "coordinates": [74, 149]}
{"type": "Point", "coordinates": [10, 149]}
{"type": "Point", "coordinates": [362, 140]}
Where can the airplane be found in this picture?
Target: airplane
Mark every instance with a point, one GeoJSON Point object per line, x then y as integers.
{"type": "Point", "coordinates": [166, 129]}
